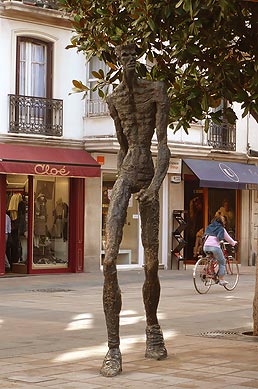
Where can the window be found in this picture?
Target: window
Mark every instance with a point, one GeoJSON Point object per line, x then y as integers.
{"type": "Point", "coordinates": [51, 223]}
{"type": "Point", "coordinates": [96, 106]}
{"type": "Point", "coordinates": [222, 136]}
{"type": "Point", "coordinates": [32, 108]}
{"type": "Point", "coordinates": [34, 68]}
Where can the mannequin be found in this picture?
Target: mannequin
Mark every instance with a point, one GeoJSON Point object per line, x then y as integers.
{"type": "Point", "coordinates": [40, 219]}
{"type": "Point", "coordinates": [60, 214]}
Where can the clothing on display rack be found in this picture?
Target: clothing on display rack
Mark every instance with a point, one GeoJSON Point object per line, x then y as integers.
{"type": "Point", "coordinates": [60, 225]}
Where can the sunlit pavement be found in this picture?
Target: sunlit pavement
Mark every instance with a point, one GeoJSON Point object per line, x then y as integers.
{"type": "Point", "coordinates": [53, 334]}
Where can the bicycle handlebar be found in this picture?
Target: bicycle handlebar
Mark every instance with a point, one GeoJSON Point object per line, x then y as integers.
{"type": "Point", "coordinates": [224, 245]}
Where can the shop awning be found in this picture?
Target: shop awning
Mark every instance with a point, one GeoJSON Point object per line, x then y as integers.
{"type": "Point", "coordinates": [228, 175]}
{"type": "Point", "coordinates": [47, 161]}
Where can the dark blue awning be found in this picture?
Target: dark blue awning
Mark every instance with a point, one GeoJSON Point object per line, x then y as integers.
{"type": "Point", "coordinates": [228, 175]}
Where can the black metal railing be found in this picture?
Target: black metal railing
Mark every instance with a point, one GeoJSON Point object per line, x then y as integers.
{"type": "Point", "coordinates": [222, 137]}
{"type": "Point", "coordinates": [35, 115]}
{"type": "Point", "coordinates": [97, 108]}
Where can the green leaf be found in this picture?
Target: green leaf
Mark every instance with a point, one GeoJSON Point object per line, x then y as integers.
{"type": "Point", "coordinates": [230, 115]}
{"type": "Point", "coordinates": [204, 103]}
{"type": "Point", "coordinates": [206, 125]}
{"type": "Point", "coordinates": [101, 73]}
{"type": "Point", "coordinates": [96, 74]}
{"type": "Point", "coordinates": [152, 24]}
{"type": "Point", "coordinates": [101, 93]}
{"type": "Point", "coordinates": [179, 3]}
{"type": "Point", "coordinates": [79, 85]}
{"type": "Point", "coordinates": [112, 65]}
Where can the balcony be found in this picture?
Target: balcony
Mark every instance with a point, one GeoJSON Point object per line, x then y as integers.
{"type": "Point", "coordinates": [97, 108]}
{"type": "Point", "coordinates": [35, 115]}
{"type": "Point", "coordinates": [222, 137]}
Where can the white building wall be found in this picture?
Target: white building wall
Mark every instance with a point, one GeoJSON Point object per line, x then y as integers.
{"type": "Point", "coordinates": [68, 65]}
{"type": "Point", "coordinates": [98, 126]}
{"type": "Point", "coordinates": [246, 131]}
{"type": "Point", "coordinates": [242, 136]}
{"type": "Point", "coordinates": [5, 74]}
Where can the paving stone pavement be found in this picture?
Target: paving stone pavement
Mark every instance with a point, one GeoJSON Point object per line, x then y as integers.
{"type": "Point", "coordinates": [53, 334]}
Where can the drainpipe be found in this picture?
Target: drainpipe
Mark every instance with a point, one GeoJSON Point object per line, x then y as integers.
{"type": "Point", "coordinates": [250, 232]}
{"type": "Point", "coordinates": [251, 251]}
{"type": "Point", "coordinates": [247, 133]}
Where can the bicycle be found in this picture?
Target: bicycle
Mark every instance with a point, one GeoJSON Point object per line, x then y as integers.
{"type": "Point", "coordinates": [206, 269]}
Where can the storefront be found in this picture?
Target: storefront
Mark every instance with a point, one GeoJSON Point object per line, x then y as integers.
{"type": "Point", "coordinates": [42, 192]}
{"type": "Point", "coordinates": [211, 188]}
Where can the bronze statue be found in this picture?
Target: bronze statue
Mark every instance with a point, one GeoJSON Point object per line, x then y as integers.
{"type": "Point", "coordinates": [138, 107]}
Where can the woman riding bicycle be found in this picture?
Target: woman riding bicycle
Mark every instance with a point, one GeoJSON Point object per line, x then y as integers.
{"type": "Point", "coordinates": [214, 233]}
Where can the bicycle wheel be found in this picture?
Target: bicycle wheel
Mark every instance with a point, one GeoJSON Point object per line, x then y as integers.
{"type": "Point", "coordinates": [202, 282]}
{"type": "Point", "coordinates": [232, 273]}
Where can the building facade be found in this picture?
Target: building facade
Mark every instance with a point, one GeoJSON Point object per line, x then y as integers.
{"type": "Point", "coordinates": [58, 162]}
{"type": "Point", "coordinates": [208, 174]}
{"type": "Point", "coordinates": [43, 162]}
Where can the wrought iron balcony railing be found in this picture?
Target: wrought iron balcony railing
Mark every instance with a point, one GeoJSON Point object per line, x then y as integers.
{"type": "Point", "coordinates": [97, 108]}
{"type": "Point", "coordinates": [35, 115]}
{"type": "Point", "coordinates": [222, 137]}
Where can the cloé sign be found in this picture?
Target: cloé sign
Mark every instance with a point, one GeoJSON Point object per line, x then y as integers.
{"type": "Point", "coordinates": [47, 170]}
{"type": "Point", "coordinates": [47, 161]}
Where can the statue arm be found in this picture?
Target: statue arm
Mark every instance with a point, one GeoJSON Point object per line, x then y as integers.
{"type": "Point", "coordinates": [119, 132]}
{"type": "Point", "coordinates": [163, 155]}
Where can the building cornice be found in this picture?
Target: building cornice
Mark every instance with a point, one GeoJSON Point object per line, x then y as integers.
{"type": "Point", "coordinates": [35, 140]}
{"type": "Point", "coordinates": [109, 144]}
{"type": "Point", "coordinates": [17, 10]}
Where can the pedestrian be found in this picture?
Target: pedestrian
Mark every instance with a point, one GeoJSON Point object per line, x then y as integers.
{"type": "Point", "coordinates": [214, 233]}
{"type": "Point", "coordinates": [7, 234]}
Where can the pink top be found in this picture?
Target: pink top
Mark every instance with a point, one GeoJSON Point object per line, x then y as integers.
{"type": "Point", "coordinates": [213, 240]}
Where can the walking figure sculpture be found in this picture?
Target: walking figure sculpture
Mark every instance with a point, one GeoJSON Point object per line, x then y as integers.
{"type": "Point", "coordinates": [138, 107]}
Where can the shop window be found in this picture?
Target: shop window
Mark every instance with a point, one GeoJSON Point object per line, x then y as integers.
{"type": "Point", "coordinates": [223, 202]}
{"type": "Point", "coordinates": [194, 205]}
{"type": "Point", "coordinates": [51, 223]}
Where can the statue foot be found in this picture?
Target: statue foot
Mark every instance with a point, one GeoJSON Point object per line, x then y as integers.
{"type": "Point", "coordinates": [155, 345]}
{"type": "Point", "coordinates": [112, 364]}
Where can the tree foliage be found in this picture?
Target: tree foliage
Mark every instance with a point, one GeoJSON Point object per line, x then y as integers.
{"type": "Point", "coordinates": [204, 50]}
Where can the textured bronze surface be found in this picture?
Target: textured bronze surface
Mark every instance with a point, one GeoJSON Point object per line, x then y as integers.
{"type": "Point", "coordinates": [138, 108]}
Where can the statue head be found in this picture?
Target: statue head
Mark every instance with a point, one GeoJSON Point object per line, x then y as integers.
{"type": "Point", "coordinates": [126, 55]}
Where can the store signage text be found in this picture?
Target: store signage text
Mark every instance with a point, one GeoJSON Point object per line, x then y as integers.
{"type": "Point", "coordinates": [47, 170]}
{"type": "Point", "coordinates": [175, 166]}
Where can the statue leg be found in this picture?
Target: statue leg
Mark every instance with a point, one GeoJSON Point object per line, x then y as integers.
{"type": "Point", "coordinates": [112, 302]}
{"type": "Point", "coordinates": [155, 346]}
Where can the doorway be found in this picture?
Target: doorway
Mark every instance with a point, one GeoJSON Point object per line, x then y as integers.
{"type": "Point", "coordinates": [16, 224]}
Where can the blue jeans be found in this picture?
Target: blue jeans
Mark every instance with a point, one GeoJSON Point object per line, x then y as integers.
{"type": "Point", "coordinates": [219, 256]}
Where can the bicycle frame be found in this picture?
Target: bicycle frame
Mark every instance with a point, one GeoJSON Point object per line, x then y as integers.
{"type": "Point", "coordinates": [206, 270]}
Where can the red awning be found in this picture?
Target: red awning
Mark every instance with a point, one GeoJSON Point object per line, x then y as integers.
{"type": "Point", "coordinates": [47, 161]}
